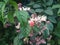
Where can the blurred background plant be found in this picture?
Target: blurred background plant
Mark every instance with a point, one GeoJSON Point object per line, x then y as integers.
{"type": "Point", "coordinates": [14, 26]}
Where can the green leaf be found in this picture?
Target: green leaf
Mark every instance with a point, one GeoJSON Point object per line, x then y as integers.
{"type": "Point", "coordinates": [32, 11]}
{"type": "Point", "coordinates": [36, 29]}
{"type": "Point", "coordinates": [49, 2]}
{"type": "Point", "coordinates": [14, 4]}
{"type": "Point", "coordinates": [44, 1]}
{"type": "Point", "coordinates": [58, 25]}
{"type": "Point", "coordinates": [56, 6]}
{"type": "Point", "coordinates": [10, 17]}
{"type": "Point", "coordinates": [52, 19]}
{"type": "Point", "coordinates": [28, 29]}
{"type": "Point", "coordinates": [1, 4]}
{"type": "Point", "coordinates": [39, 10]}
{"type": "Point", "coordinates": [2, 8]}
{"type": "Point", "coordinates": [52, 42]}
{"type": "Point", "coordinates": [1, 16]}
{"type": "Point", "coordinates": [46, 33]}
{"type": "Point", "coordinates": [57, 34]}
{"type": "Point", "coordinates": [24, 32]}
{"type": "Point", "coordinates": [20, 42]}
{"type": "Point", "coordinates": [22, 17]}
{"type": "Point", "coordinates": [31, 3]}
{"type": "Point", "coordinates": [25, 28]}
{"type": "Point", "coordinates": [49, 12]}
{"type": "Point", "coordinates": [36, 6]}
{"type": "Point", "coordinates": [6, 1]}
{"type": "Point", "coordinates": [59, 41]}
{"type": "Point", "coordinates": [16, 40]}
{"type": "Point", "coordinates": [59, 12]}
{"type": "Point", "coordinates": [21, 35]}
{"type": "Point", "coordinates": [49, 8]}
{"type": "Point", "coordinates": [49, 26]}
{"type": "Point", "coordinates": [57, 30]}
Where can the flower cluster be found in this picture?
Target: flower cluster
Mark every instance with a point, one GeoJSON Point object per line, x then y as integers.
{"type": "Point", "coordinates": [40, 22]}
{"type": "Point", "coordinates": [37, 19]}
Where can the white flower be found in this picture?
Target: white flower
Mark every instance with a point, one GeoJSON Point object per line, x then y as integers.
{"type": "Point", "coordinates": [36, 19]}
{"type": "Point", "coordinates": [43, 18]}
{"type": "Point", "coordinates": [39, 19]}
{"type": "Point", "coordinates": [18, 26]}
{"type": "Point", "coordinates": [32, 19]}
{"type": "Point", "coordinates": [20, 8]}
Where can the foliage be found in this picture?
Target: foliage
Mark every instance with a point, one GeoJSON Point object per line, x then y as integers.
{"type": "Point", "coordinates": [6, 26]}
{"type": "Point", "coordinates": [16, 30]}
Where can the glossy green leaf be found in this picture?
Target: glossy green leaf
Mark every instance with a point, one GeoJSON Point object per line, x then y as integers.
{"type": "Point", "coordinates": [16, 41]}
{"type": "Point", "coordinates": [10, 17]}
{"type": "Point", "coordinates": [46, 33]}
{"type": "Point", "coordinates": [57, 30]}
{"type": "Point", "coordinates": [49, 8]}
{"type": "Point", "coordinates": [56, 6]}
{"type": "Point", "coordinates": [39, 10]}
{"type": "Point", "coordinates": [36, 6]}
{"type": "Point", "coordinates": [28, 29]}
{"type": "Point", "coordinates": [1, 4]}
{"type": "Point", "coordinates": [44, 1]}
{"type": "Point", "coordinates": [49, 12]}
{"type": "Point", "coordinates": [2, 8]}
{"type": "Point", "coordinates": [59, 12]}
{"type": "Point", "coordinates": [32, 11]}
{"type": "Point", "coordinates": [22, 35]}
{"type": "Point", "coordinates": [1, 16]}
{"type": "Point", "coordinates": [49, 2]}
{"type": "Point", "coordinates": [52, 19]}
{"type": "Point", "coordinates": [58, 25]}
{"type": "Point", "coordinates": [57, 34]}
{"type": "Point", "coordinates": [31, 3]}
{"type": "Point", "coordinates": [22, 17]}
{"type": "Point", "coordinates": [36, 29]}
{"type": "Point", "coordinates": [49, 26]}
{"type": "Point", "coordinates": [24, 31]}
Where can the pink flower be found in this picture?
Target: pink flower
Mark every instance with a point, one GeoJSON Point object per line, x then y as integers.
{"type": "Point", "coordinates": [7, 25]}
{"type": "Point", "coordinates": [43, 41]}
{"type": "Point", "coordinates": [19, 5]}
{"type": "Point", "coordinates": [38, 43]}
{"type": "Point", "coordinates": [44, 28]}
{"type": "Point", "coordinates": [30, 42]}
{"type": "Point", "coordinates": [37, 39]}
{"type": "Point", "coordinates": [31, 23]}
{"type": "Point", "coordinates": [34, 15]}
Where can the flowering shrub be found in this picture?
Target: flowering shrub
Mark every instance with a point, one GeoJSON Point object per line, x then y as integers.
{"type": "Point", "coordinates": [18, 27]}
